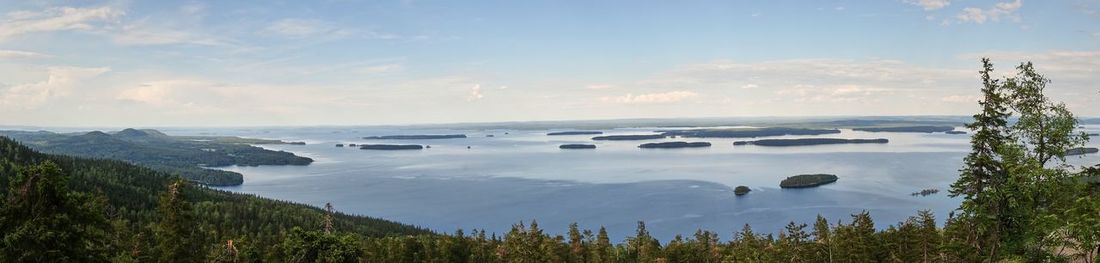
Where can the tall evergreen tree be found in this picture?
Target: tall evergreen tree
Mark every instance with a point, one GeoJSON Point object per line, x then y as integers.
{"type": "Point", "coordinates": [175, 232]}
{"type": "Point", "coordinates": [41, 220]}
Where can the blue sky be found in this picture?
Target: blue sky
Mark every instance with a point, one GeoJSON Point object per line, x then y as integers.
{"type": "Point", "coordinates": [161, 63]}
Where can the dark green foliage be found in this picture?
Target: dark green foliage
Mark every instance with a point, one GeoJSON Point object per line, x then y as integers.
{"type": "Point", "coordinates": [181, 156]}
{"type": "Point", "coordinates": [175, 230]}
{"type": "Point", "coordinates": [41, 220]}
{"type": "Point", "coordinates": [131, 200]}
{"type": "Point", "coordinates": [807, 180]}
{"type": "Point", "coordinates": [317, 246]}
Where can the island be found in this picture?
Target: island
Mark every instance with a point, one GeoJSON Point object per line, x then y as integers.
{"type": "Point", "coordinates": [746, 133]}
{"type": "Point", "coordinates": [807, 180]}
{"type": "Point", "coordinates": [416, 137]}
{"type": "Point", "coordinates": [341, 145]}
{"type": "Point", "coordinates": [577, 146]}
{"type": "Point", "coordinates": [575, 133]}
{"type": "Point", "coordinates": [184, 156]}
{"type": "Point", "coordinates": [809, 141]}
{"type": "Point", "coordinates": [673, 145]}
{"type": "Point", "coordinates": [1081, 151]}
{"type": "Point", "coordinates": [1094, 134]}
{"type": "Point", "coordinates": [628, 137]}
{"type": "Point", "coordinates": [926, 192]}
{"type": "Point", "coordinates": [741, 190]}
{"type": "Point", "coordinates": [955, 132]}
{"type": "Point", "coordinates": [390, 147]}
{"type": "Point", "coordinates": [920, 129]}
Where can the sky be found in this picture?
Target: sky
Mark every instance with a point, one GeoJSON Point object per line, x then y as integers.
{"type": "Point", "coordinates": [343, 62]}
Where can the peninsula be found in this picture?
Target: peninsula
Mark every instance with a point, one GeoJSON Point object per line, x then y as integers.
{"type": "Point", "coordinates": [809, 141]}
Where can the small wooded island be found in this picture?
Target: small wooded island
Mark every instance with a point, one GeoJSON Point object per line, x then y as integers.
{"type": "Point", "coordinates": [955, 132]}
{"type": "Point", "coordinates": [1081, 151]}
{"type": "Point", "coordinates": [575, 133]}
{"type": "Point", "coordinates": [577, 146]}
{"type": "Point", "coordinates": [809, 141]}
{"type": "Point", "coordinates": [807, 180]}
{"type": "Point", "coordinates": [922, 129]}
{"type": "Point", "coordinates": [747, 133]}
{"type": "Point", "coordinates": [741, 190]}
{"type": "Point", "coordinates": [673, 145]}
{"type": "Point", "coordinates": [628, 137]}
{"type": "Point", "coordinates": [390, 147]}
{"type": "Point", "coordinates": [416, 137]}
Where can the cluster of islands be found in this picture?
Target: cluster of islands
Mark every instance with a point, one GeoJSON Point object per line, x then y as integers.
{"type": "Point", "coordinates": [685, 133]}
{"type": "Point", "coordinates": [793, 182]}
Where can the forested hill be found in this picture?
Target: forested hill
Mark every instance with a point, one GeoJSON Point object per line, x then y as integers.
{"type": "Point", "coordinates": [131, 196]}
{"type": "Point", "coordinates": [182, 156]}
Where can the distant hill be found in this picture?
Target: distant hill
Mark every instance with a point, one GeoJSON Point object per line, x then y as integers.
{"type": "Point", "coordinates": [182, 156]}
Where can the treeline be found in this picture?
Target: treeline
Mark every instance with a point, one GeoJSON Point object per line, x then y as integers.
{"type": "Point", "coordinates": [123, 202]}
{"type": "Point", "coordinates": [181, 156]}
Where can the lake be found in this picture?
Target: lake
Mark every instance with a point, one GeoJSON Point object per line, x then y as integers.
{"type": "Point", "coordinates": [521, 175]}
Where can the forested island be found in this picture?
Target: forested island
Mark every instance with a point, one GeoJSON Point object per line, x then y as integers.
{"type": "Point", "coordinates": [185, 156]}
{"type": "Point", "coordinates": [747, 133]}
{"type": "Point", "coordinates": [673, 145]}
{"type": "Point", "coordinates": [577, 146]}
{"type": "Point", "coordinates": [918, 129]}
{"type": "Point", "coordinates": [1081, 151]}
{"type": "Point", "coordinates": [416, 137]}
{"type": "Point", "coordinates": [575, 133]}
{"type": "Point", "coordinates": [807, 180]}
{"type": "Point", "coordinates": [741, 190]}
{"type": "Point", "coordinates": [390, 147]}
{"type": "Point", "coordinates": [629, 137]}
{"type": "Point", "coordinates": [810, 141]}
{"type": "Point", "coordinates": [955, 132]}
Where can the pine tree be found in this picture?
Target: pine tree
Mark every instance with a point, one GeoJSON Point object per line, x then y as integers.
{"type": "Point", "coordinates": [42, 221]}
{"type": "Point", "coordinates": [601, 252]}
{"type": "Point", "coordinates": [175, 232]}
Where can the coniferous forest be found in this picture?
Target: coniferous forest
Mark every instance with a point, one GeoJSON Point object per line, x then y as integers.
{"type": "Point", "coordinates": [1019, 204]}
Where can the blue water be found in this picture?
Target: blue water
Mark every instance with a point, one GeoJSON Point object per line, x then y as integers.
{"type": "Point", "coordinates": [522, 175]}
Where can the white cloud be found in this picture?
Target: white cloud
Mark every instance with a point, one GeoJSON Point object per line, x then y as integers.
{"type": "Point", "coordinates": [995, 14]}
{"type": "Point", "coordinates": [60, 83]}
{"type": "Point", "coordinates": [20, 54]}
{"type": "Point", "coordinates": [929, 5]}
{"type": "Point", "coordinates": [971, 99]}
{"type": "Point", "coordinates": [142, 33]}
{"type": "Point", "coordinates": [475, 93]}
{"type": "Point", "coordinates": [662, 97]}
{"type": "Point", "coordinates": [56, 19]}
{"type": "Point", "coordinates": [599, 86]}
{"type": "Point", "coordinates": [750, 86]}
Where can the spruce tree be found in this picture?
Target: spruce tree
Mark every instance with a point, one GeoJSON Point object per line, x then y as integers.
{"type": "Point", "coordinates": [175, 232]}
{"type": "Point", "coordinates": [42, 221]}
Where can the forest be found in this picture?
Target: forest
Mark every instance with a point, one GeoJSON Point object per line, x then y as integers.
{"type": "Point", "coordinates": [1019, 204]}
{"type": "Point", "coordinates": [185, 156]}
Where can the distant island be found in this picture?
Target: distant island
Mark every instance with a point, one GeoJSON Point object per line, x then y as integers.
{"type": "Point", "coordinates": [807, 180]}
{"type": "Point", "coordinates": [184, 156]}
{"type": "Point", "coordinates": [926, 192]}
{"type": "Point", "coordinates": [628, 137]}
{"type": "Point", "coordinates": [741, 190]}
{"type": "Point", "coordinates": [747, 133]}
{"type": "Point", "coordinates": [1081, 151]}
{"type": "Point", "coordinates": [921, 129]}
{"type": "Point", "coordinates": [416, 137]}
{"type": "Point", "coordinates": [809, 141]}
{"type": "Point", "coordinates": [577, 146]}
{"type": "Point", "coordinates": [390, 147]}
{"type": "Point", "coordinates": [575, 133]}
{"type": "Point", "coordinates": [955, 132]}
{"type": "Point", "coordinates": [672, 145]}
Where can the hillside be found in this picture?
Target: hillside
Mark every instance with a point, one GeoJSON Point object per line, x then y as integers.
{"type": "Point", "coordinates": [131, 194]}
{"type": "Point", "coordinates": [182, 156]}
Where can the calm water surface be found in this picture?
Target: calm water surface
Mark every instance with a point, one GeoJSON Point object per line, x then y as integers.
{"type": "Point", "coordinates": [520, 175]}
